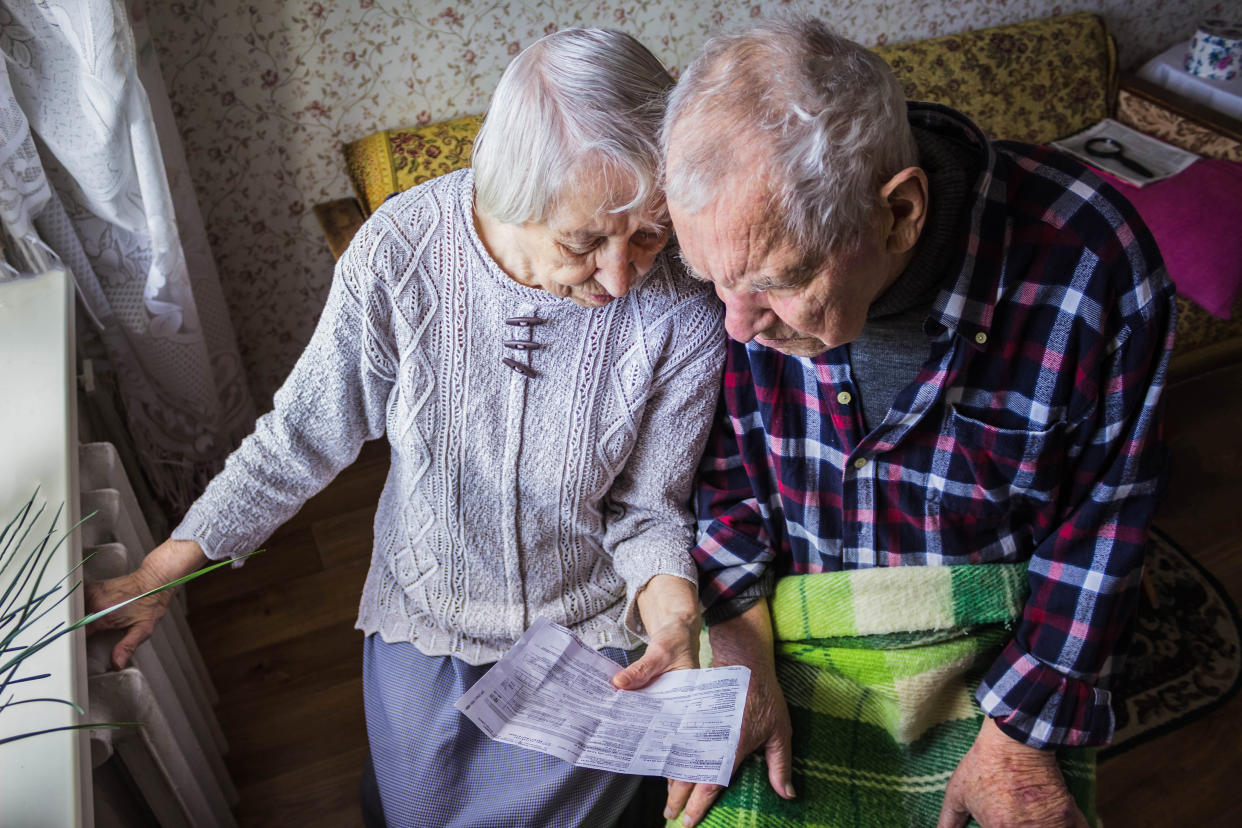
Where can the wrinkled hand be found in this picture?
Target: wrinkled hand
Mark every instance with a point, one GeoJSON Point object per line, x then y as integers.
{"type": "Point", "coordinates": [745, 640]}
{"type": "Point", "coordinates": [669, 607]}
{"type": "Point", "coordinates": [1002, 782]}
{"type": "Point", "coordinates": [166, 563]}
{"type": "Point", "coordinates": [671, 647]}
{"type": "Point", "coordinates": [138, 618]}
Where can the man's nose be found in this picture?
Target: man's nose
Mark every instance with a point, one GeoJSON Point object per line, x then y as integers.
{"type": "Point", "coordinates": [744, 315]}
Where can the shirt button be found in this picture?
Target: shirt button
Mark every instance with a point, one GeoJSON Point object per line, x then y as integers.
{"type": "Point", "coordinates": [860, 462]}
{"type": "Point", "coordinates": [844, 398]}
{"type": "Point", "coordinates": [981, 337]}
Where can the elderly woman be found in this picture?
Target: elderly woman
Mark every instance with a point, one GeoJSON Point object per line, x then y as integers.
{"type": "Point", "coordinates": [545, 378]}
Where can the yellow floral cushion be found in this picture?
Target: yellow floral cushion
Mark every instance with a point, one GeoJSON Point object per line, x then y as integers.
{"type": "Point", "coordinates": [1033, 81]}
{"type": "Point", "coordinates": [394, 160]}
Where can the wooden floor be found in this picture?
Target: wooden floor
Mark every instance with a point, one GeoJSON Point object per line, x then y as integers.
{"type": "Point", "coordinates": [279, 640]}
{"type": "Point", "coordinates": [1191, 776]}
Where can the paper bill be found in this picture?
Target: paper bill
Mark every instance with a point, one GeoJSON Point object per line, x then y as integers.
{"type": "Point", "coordinates": [553, 694]}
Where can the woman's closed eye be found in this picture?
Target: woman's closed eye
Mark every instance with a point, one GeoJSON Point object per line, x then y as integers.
{"type": "Point", "coordinates": [581, 248]}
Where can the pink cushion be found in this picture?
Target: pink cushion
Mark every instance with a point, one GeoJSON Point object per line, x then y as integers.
{"type": "Point", "coordinates": [1196, 218]}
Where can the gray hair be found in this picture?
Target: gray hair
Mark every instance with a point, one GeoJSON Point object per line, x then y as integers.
{"type": "Point", "coordinates": [820, 118]}
{"type": "Point", "coordinates": [575, 95]}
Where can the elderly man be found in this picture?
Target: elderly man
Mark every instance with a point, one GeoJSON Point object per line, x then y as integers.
{"type": "Point", "coordinates": [936, 454]}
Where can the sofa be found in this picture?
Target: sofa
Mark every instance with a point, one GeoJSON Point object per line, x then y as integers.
{"type": "Point", "coordinates": [1033, 81]}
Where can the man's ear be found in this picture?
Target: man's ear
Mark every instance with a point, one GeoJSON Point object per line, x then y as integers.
{"type": "Point", "coordinates": [905, 195]}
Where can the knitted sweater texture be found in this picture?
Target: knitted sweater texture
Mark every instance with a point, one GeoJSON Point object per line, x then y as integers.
{"type": "Point", "coordinates": [558, 491]}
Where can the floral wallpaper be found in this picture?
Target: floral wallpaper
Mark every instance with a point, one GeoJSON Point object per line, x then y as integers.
{"type": "Point", "coordinates": [265, 92]}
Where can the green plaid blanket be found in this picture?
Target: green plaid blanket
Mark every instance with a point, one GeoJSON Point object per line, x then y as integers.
{"type": "Point", "coordinates": [879, 668]}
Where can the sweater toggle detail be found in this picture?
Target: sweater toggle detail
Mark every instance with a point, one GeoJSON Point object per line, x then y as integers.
{"type": "Point", "coordinates": [524, 370]}
{"type": "Point", "coordinates": [523, 345]}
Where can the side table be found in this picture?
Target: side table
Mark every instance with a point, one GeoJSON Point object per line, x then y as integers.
{"type": "Point", "coordinates": [1194, 111]}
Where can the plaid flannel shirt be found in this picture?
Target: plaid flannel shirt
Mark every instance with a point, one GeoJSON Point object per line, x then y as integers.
{"type": "Point", "coordinates": [1030, 434]}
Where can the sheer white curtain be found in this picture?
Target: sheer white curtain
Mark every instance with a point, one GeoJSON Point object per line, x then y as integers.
{"type": "Point", "coordinates": [92, 173]}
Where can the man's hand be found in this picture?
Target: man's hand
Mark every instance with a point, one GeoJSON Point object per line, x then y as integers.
{"type": "Point", "coordinates": [166, 563]}
{"type": "Point", "coordinates": [745, 640]}
{"type": "Point", "coordinates": [1002, 782]}
{"type": "Point", "coordinates": [669, 607]}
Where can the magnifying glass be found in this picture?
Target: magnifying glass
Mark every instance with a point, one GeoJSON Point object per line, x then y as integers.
{"type": "Point", "coordinates": [1112, 148]}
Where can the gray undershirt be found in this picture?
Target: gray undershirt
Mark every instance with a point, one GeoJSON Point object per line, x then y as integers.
{"type": "Point", "coordinates": [893, 346]}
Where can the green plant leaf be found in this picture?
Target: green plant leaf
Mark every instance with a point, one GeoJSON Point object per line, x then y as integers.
{"type": "Point", "coordinates": [8, 704]}
{"type": "Point", "coordinates": [20, 520]}
{"type": "Point", "coordinates": [19, 578]}
{"type": "Point", "coordinates": [88, 726]}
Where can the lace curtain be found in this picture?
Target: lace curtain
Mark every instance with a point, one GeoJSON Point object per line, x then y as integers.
{"type": "Point", "coordinates": [92, 175]}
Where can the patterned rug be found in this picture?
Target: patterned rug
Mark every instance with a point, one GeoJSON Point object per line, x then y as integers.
{"type": "Point", "coordinates": [1186, 656]}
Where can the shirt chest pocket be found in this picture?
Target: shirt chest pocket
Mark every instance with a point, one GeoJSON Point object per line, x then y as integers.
{"type": "Point", "coordinates": [983, 469]}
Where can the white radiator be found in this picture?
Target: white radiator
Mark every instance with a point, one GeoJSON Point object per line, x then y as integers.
{"type": "Point", "coordinates": [175, 762]}
{"type": "Point", "coordinates": [170, 771]}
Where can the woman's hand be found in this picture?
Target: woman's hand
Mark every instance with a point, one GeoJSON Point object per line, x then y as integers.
{"type": "Point", "coordinates": [669, 607]}
{"type": "Point", "coordinates": [166, 563]}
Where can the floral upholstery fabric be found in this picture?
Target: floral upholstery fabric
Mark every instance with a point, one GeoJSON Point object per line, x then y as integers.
{"type": "Point", "coordinates": [395, 160]}
{"type": "Point", "coordinates": [1033, 81]}
{"type": "Point", "coordinates": [1160, 122]}
{"type": "Point", "coordinates": [1196, 328]}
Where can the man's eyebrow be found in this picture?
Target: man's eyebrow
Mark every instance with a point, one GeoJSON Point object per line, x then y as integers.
{"type": "Point", "coordinates": [766, 283]}
{"type": "Point", "coordinates": [791, 277]}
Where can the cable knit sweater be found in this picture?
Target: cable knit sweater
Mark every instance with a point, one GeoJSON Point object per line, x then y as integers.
{"type": "Point", "coordinates": [556, 485]}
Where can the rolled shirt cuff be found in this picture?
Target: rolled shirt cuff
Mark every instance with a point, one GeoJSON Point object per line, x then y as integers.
{"type": "Point", "coordinates": [1041, 706]}
{"type": "Point", "coordinates": [725, 609]}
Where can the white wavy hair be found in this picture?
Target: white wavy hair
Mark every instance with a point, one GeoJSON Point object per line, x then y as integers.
{"type": "Point", "coordinates": [574, 96]}
{"type": "Point", "coordinates": [819, 117]}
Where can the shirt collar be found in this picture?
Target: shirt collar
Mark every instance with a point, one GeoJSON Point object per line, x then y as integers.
{"type": "Point", "coordinates": [966, 304]}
